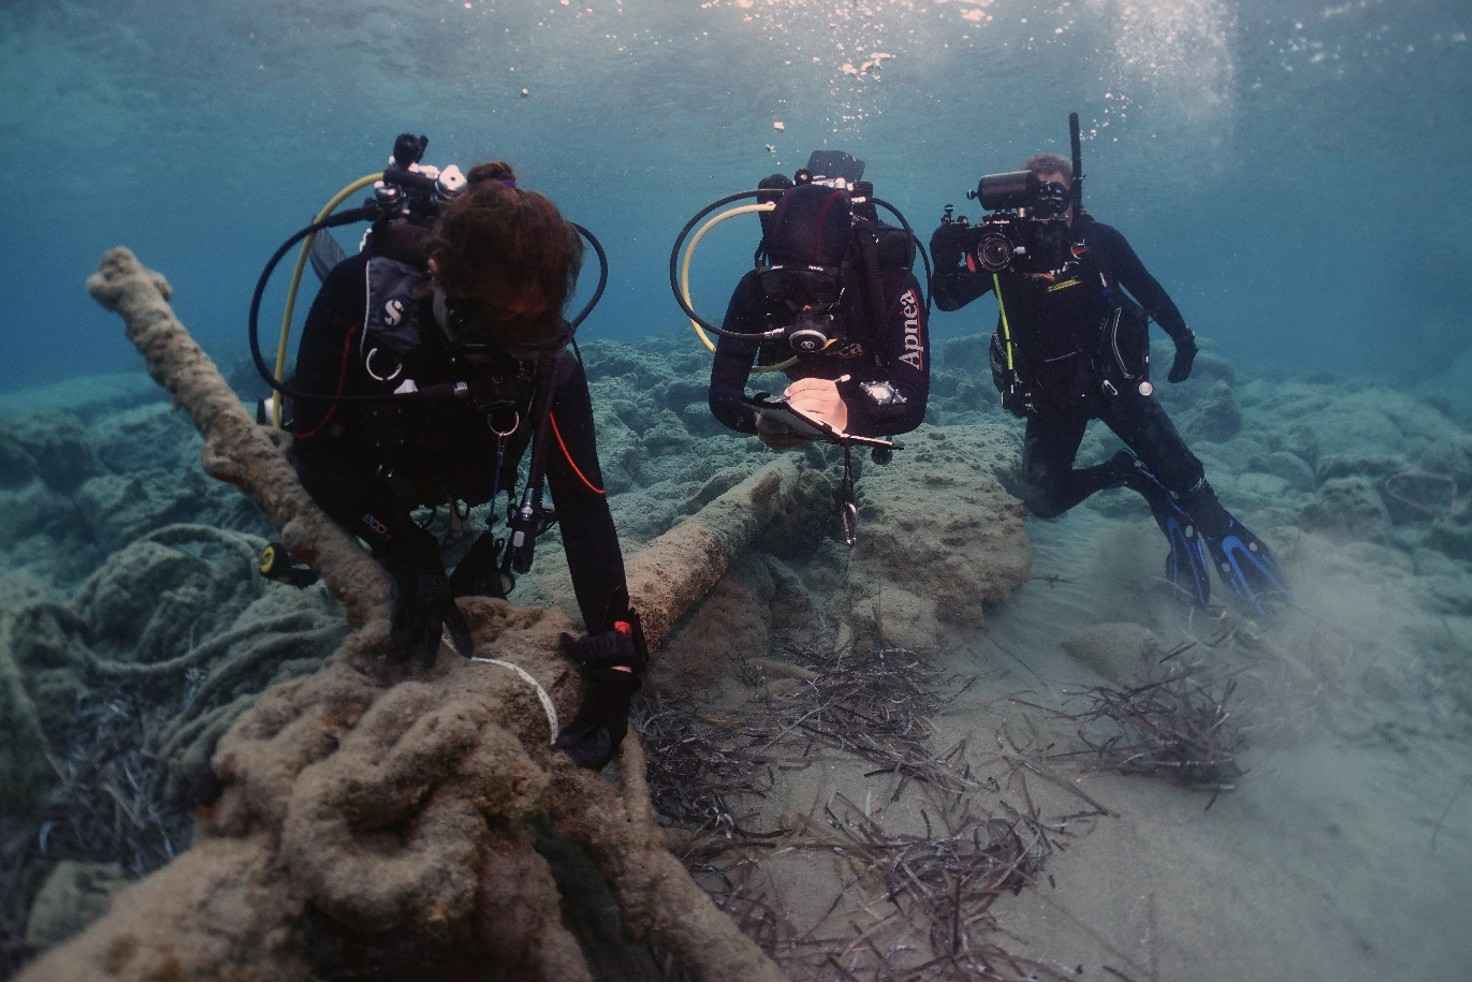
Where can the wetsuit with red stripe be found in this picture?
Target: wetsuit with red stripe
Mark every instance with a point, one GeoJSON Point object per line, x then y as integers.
{"type": "Point", "coordinates": [370, 464]}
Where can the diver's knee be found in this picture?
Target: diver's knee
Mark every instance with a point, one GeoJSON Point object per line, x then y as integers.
{"type": "Point", "coordinates": [1043, 503]}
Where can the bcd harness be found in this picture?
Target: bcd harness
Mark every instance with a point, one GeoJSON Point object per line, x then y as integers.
{"type": "Point", "coordinates": [392, 336]}
{"type": "Point", "coordinates": [1118, 349]}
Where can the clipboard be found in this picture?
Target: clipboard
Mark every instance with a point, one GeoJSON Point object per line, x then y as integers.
{"type": "Point", "coordinates": [781, 412]}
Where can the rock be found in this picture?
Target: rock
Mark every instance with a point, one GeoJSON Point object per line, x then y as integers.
{"type": "Point", "coordinates": [970, 354]}
{"type": "Point", "coordinates": [1348, 509]}
{"type": "Point", "coordinates": [17, 467]}
{"type": "Point", "coordinates": [75, 893]}
{"type": "Point", "coordinates": [1117, 651]}
{"type": "Point", "coordinates": [145, 438]}
{"type": "Point", "coordinates": [1292, 469]}
{"type": "Point", "coordinates": [121, 508]}
{"type": "Point", "coordinates": [1216, 417]}
{"type": "Point", "coordinates": [57, 443]}
{"type": "Point", "coordinates": [939, 538]}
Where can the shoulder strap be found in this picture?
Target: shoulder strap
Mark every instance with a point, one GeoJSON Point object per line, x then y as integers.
{"type": "Point", "coordinates": [391, 318]}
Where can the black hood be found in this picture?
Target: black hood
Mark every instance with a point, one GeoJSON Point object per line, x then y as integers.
{"type": "Point", "coordinates": [811, 225]}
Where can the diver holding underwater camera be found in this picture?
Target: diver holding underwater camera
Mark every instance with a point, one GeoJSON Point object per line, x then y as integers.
{"type": "Point", "coordinates": [1071, 345]}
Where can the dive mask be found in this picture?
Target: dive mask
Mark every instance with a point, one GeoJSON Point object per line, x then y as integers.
{"type": "Point", "coordinates": [801, 286]}
{"type": "Point", "coordinates": [477, 334]}
{"type": "Point", "coordinates": [1052, 201]}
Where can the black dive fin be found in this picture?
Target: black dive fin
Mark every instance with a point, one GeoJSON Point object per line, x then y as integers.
{"type": "Point", "coordinates": [325, 254]}
{"type": "Point", "coordinates": [1186, 567]}
{"type": "Point", "coordinates": [1248, 567]}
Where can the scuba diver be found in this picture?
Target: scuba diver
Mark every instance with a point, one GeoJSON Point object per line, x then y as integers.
{"type": "Point", "coordinates": [833, 304]}
{"type": "Point", "coordinates": [1071, 346]}
{"type": "Point", "coordinates": [860, 351]}
{"type": "Point", "coordinates": [429, 363]}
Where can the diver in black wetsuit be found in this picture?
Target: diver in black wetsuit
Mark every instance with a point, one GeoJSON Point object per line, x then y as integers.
{"type": "Point", "coordinates": [1072, 346]}
{"type": "Point", "coordinates": [474, 306]}
{"type": "Point", "coordinates": [859, 358]}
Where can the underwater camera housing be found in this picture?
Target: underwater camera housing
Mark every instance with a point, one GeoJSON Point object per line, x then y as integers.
{"type": "Point", "coordinates": [1027, 220]}
{"type": "Point", "coordinates": [1025, 217]}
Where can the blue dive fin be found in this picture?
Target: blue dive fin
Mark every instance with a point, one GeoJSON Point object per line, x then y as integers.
{"type": "Point", "coordinates": [1247, 566]}
{"type": "Point", "coordinates": [1186, 567]}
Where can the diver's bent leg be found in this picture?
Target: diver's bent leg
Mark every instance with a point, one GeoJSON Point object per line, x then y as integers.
{"type": "Point", "coordinates": [1142, 423]}
{"type": "Point", "coordinates": [1242, 561]}
{"type": "Point", "coordinates": [1051, 485]}
{"type": "Point", "coordinates": [353, 495]}
{"type": "Point", "coordinates": [1146, 427]}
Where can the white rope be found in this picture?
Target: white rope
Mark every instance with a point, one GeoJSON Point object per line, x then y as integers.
{"type": "Point", "coordinates": [542, 695]}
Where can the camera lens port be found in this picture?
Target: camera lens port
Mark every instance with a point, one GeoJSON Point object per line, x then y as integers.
{"type": "Point", "coordinates": [995, 252]}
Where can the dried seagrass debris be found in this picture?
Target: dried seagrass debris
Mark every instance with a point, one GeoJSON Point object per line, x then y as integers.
{"type": "Point", "coordinates": [739, 889]}
{"type": "Point", "coordinates": [874, 703]}
{"type": "Point", "coordinates": [696, 761]}
{"type": "Point", "coordinates": [1174, 727]}
{"type": "Point", "coordinates": [914, 906]}
{"type": "Point", "coordinates": [950, 879]}
{"type": "Point", "coordinates": [105, 807]}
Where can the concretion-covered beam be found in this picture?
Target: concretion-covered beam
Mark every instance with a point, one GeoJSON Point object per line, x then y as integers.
{"type": "Point", "coordinates": [236, 449]}
{"type": "Point", "coordinates": [408, 809]}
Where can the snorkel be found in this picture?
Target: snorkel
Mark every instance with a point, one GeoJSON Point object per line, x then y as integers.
{"type": "Point", "coordinates": [1077, 190]}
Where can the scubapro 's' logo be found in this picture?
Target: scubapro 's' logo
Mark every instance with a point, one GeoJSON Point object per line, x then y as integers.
{"type": "Point", "coordinates": [393, 311]}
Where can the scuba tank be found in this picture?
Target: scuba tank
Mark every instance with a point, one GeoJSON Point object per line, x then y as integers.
{"type": "Point", "coordinates": [821, 235]}
{"type": "Point", "coordinates": [826, 168]}
{"type": "Point", "coordinates": [407, 198]}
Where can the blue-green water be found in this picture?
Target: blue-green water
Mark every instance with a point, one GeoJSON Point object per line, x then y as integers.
{"type": "Point", "coordinates": [1292, 173]}
{"type": "Point", "coordinates": [1290, 170]}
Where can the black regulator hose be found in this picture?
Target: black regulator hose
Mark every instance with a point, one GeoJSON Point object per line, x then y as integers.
{"type": "Point", "coordinates": [872, 273]}
{"type": "Point", "coordinates": [919, 246]}
{"type": "Point", "coordinates": [602, 275]}
{"type": "Point", "coordinates": [365, 214]}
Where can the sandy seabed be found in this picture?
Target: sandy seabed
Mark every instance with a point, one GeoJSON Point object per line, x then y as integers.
{"type": "Point", "coordinates": [1342, 850]}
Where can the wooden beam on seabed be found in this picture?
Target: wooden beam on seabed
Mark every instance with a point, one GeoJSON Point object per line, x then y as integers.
{"type": "Point", "coordinates": [408, 809]}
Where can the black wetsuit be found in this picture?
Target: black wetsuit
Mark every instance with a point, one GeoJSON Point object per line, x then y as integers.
{"type": "Point", "coordinates": [1055, 320]}
{"type": "Point", "coordinates": [900, 357]}
{"type": "Point", "coordinates": [369, 464]}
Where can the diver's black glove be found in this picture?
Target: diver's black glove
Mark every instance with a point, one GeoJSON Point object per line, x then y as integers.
{"type": "Point", "coordinates": [947, 244]}
{"type": "Point", "coordinates": [1185, 355]}
{"type": "Point", "coordinates": [423, 606]}
{"type": "Point", "coordinates": [595, 734]}
{"type": "Point", "coordinates": [610, 663]}
{"type": "Point", "coordinates": [477, 573]}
